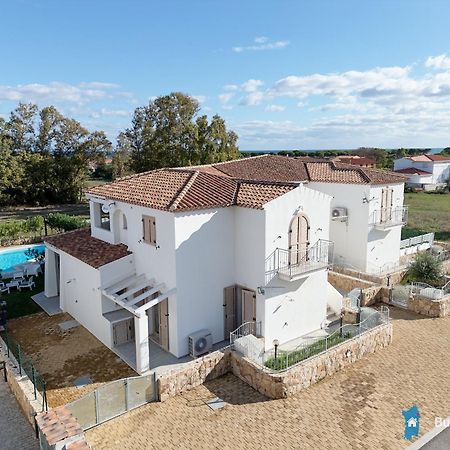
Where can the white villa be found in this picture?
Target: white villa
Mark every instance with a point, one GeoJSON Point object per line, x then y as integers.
{"type": "Point", "coordinates": [199, 251]}
{"type": "Point", "coordinates": [424, 171]}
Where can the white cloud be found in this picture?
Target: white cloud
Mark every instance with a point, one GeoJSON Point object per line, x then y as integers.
{"type": "Point", "coordinates": [105, 112]}
{"type": "Point", "coordinates": [231, 87]}
{"type": "Point", "coordinates": [262, 43]}
{"type": "Point", "coordinates": [252, 99]}
{"type": "Point", "coordinates": [200, 98]}
{"type": "Point", "coordinates": [261, 39]}
{"type": "Point", "coordinates": [56, 92]}
{"type": "Point", "coordinates": [251, 85]}
{"type": "Point", "coordinates": [225, 98]}
{"type": "Point", "coordinates": [274, 108]}
{"type": "Point", "coordinates": [438, 62]}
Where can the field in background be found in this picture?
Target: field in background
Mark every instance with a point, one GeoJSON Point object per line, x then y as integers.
{"type": "Point", "coordinates": [428, 213]}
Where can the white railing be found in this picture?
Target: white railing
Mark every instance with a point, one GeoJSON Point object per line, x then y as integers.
{"type": "Point", "coordinates": [279, 360]}
{"type": "Point", "coordinates": [389, 217]}
{"type": "Point", "coordinates": [417, 240]}
{"type": "Point", "coordinates": [245, 329]}
{"type": "Point", "coordinates": [426, 290]}
{"type": "Point", "coordinates": [292, 263]}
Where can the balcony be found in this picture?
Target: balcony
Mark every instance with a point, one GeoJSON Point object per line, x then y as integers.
{"type": "Point", "coordinates": [386, 218]}
{"type": "Point", "coordinates": [292, 265]}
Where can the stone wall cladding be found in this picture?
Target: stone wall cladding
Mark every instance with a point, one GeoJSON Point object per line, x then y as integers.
{"type": "Point", "coordinates": [392, 278]}
{"type": "Point", "coordinates": [305, 374]}
{"type": "Point", "coordinates": [21, 386]}
{"type": "Point", "coordinates": [193, 374]}
{"type": "Point", "coordinates": [428, 307]}
{"type": "Point", "coordinates": [273, 385]}
{"type": "Point", "coordinates": [371, 292]}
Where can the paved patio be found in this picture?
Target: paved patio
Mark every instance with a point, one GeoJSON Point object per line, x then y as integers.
{"type": "Point", "coordinates": [15, 431]}
{"type": "Point", "coordinates": [358, 408]}
{"type": "Point", "coordinates": [63, 355]}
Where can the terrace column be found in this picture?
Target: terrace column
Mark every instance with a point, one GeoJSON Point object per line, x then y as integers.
{"type": "Point", "coordinates": [51, 274]}
{"type": "Point", "coordinates": [142, 344]}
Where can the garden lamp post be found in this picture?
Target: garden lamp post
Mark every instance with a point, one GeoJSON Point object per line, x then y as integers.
{"type": "Point", "coordinates": [276, 343]}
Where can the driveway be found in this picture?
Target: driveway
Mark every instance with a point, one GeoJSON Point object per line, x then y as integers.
{"type": "Point", "coordinates": [15, 432]}
{"type": "Point", "coordinates": [358, 408]}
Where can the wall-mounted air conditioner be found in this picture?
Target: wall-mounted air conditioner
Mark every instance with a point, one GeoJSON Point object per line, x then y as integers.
{"type": "Point", "coordinates": [200, 343]}
{"type": "Point", "coordinates": [339, 214]}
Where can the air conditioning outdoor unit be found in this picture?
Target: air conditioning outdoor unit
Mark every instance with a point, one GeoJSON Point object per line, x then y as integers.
{"type": "Point", "coordinates": [200, 343]}
{"type": "Point", "coordinates": [339, 213]}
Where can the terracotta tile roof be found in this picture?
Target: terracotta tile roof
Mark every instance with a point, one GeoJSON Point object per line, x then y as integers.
{"type": "Point", "coordinates": [355, 160]}
{"type": "Point", "coordinates": [413, 171]}
{"type": "Point", "coordinates": [81, 245]}
{"type": "Point", "coordinates": [438, 158]}
{"type": "Point", "coordinates": [187, 189]}
{"type": "Point", "coordinates": [428, 158]}
{"type": "Point", "coordinates": [266, 168]}
{"type": "Point", "coordinates": [249, 182]}
{"type": "Point", "coordinates": [332, 173]}
{"type": "Point", "coordinates": [252, 195]}
{"type": "Point", "coordinates": [156, 189]}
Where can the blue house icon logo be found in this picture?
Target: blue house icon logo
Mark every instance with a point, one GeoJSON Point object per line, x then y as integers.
{"type": "Point", "coordinates": [412, 418]}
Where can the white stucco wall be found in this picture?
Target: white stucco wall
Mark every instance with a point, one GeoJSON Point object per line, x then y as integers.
{"type": "Point", "coordinates": [80, 296]}
{"type": "Point", "coordinates": [383, 247]}
{"type": "Point", "coordinates": [441, 172]}
{"type": "Point", "coordinates": [349, 237]}
{"type": "Point", "coordinates": [295, 308]}
{"type": "Point", "coordinates": [204, 242]}
{"type": "Point", "coordinates": [357, 244]}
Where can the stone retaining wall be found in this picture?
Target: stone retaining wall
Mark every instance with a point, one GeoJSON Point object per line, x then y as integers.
{"type": "Point", "coordinates": [305, 374]}
{"type": "Point", "coordinates": [371, 292]}
{"type": "Point", "coordinates": [273, 385]}
{"type": "Point", "coordinates": [21, 386]}
{"type": "Point", "coordinates": [193, 374]}
{"type": "Point", "coordinates": [391, 278]}
{"type": "Point", "coordinates": [428, 307]}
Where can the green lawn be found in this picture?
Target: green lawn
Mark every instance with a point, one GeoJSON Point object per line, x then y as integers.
{"type": "Point", "coordinates": [20, 304]}
{"type": "Point", "coordinates": [428, 213]}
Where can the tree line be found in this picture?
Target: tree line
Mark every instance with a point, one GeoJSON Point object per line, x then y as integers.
{"type": "Point", "coordinates": [47, 158]}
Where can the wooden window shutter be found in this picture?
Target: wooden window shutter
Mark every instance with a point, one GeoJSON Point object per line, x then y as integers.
{"type": "Point", "coordinates": [152, 225]}
{"type": "Point", "coordinates": [149, 225]}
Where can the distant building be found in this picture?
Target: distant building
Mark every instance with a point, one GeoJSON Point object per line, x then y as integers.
{"type": "Point", "coordinates": [356, 160]}
{"type": "Point", "coordinates": [428, 172]}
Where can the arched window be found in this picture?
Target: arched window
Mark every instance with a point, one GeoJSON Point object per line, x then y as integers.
{"type": "Point", "coordinates": [298, 239]}
{"type": "Point", "coordinates": [124, 222]}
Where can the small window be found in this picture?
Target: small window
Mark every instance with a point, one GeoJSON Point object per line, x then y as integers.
{"type": "Point", "coordinates": [124, 223]}
{"type": "Point", "coordinates": [149, 228]}
{"type": "Point", "coordinates": [101, 218]}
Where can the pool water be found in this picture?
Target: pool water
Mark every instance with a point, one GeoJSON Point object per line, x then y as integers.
{"type": "Point", "coordinates": [12, 257]}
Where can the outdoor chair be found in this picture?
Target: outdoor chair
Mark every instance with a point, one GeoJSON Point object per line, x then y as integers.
{"type": "Point", "coordinates": [18, 275]}
{"type": "Point", "coordinates": [27, 284]}
{"type": "Point", "coordinates": [4, 288]}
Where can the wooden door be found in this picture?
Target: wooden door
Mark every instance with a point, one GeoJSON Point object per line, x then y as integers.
{"type": "Point", "coordinates": [387, 202]}
{"type": "Point", "coordinates": [164, 324]}
{"type": "Point", "coordinates": [248, 306]}
{"type": "Point", "coordinates": [229, 311]}
{"type": "Point", "coordinates": [123, 331]}
{"type": "Point", "coordinates": [298, 239]}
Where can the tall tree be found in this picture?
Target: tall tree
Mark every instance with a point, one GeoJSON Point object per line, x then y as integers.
{"type": "Point", "coordinates": [168, 133]}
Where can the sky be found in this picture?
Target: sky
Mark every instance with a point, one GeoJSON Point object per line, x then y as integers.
{"type": "Point", "coordinates": [284, 74]}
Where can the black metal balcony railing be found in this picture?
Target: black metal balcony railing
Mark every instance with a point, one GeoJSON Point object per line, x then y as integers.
{"type": "Point", "coordinates": [293, 264]}
{"type": "Point", "coordinates": [389, 217]}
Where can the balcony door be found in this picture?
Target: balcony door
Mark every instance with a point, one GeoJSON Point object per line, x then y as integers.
{"type": "Point", "coordinates": [387, 200]}
{"type": "Point", "coordinates": [298, 240]}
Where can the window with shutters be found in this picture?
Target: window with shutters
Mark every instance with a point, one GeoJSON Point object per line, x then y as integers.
{"type": "Point", "coordinates": [149, 228]}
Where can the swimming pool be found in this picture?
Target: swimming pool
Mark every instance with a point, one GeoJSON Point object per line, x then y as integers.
{"type": "Point", "coordinates": [17, 255]}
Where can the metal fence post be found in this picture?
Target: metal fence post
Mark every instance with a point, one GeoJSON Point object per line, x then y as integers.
{"type": "Point", "coordinates": [19, 359]}
{"type": "Point", "coordinates": [97, 419]}
{"type": "Point", "coordinates": [33, 379]}
{"type": "Point", "coordinates": [287, 360]}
